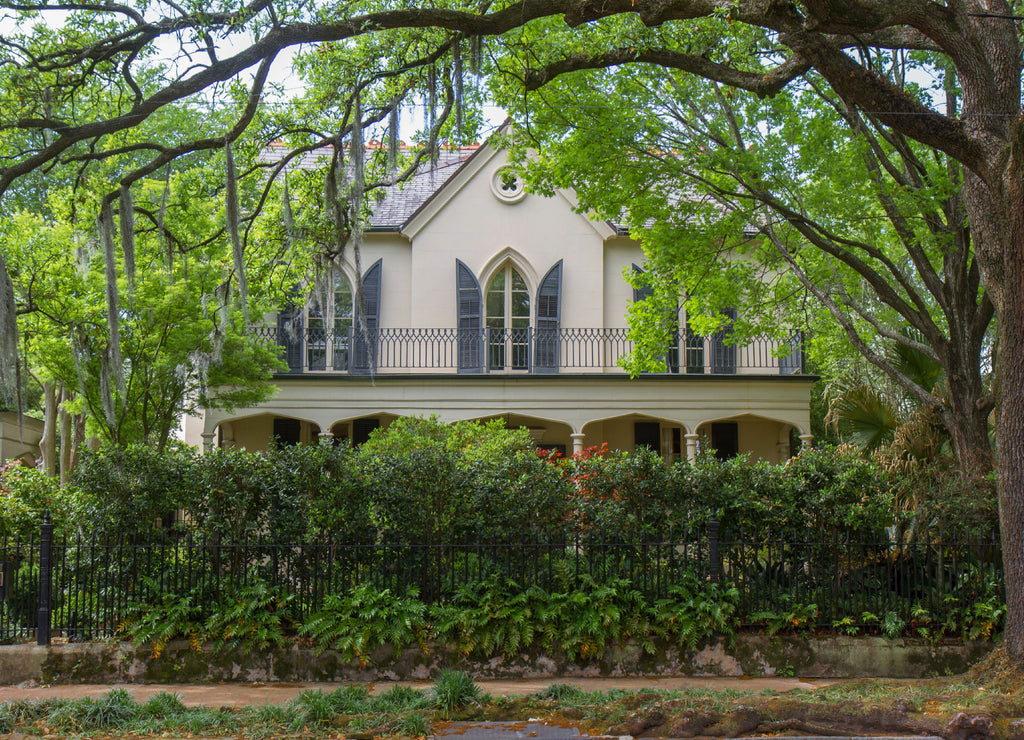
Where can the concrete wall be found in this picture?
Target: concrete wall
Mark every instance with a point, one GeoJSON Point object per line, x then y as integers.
{"type": "Point", "coordinates": [745, 655]}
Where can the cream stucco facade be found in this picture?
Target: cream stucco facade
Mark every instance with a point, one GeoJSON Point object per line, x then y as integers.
{"type": "Point", "coordinates": [487, 301]}
{"type": "Point", "coordinates": [19, 438]}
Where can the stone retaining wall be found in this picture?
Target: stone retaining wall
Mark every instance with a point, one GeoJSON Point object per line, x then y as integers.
{"type": "Point", "coordinates": [744, 655]}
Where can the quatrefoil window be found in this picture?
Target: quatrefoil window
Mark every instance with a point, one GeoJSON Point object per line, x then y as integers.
{"type": "Point", "coordinates": [507, 185]}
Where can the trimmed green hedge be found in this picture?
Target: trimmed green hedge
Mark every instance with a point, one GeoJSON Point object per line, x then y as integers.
{"type": "Point", "coordinates": [423, 481]}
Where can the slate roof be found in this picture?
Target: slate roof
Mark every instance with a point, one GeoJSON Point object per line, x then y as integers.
{"type": "Point", "coordinates": [400, 202]}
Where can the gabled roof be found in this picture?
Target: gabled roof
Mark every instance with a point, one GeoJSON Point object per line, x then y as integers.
{"type": "Point", "coordinates": [401, 201]}
{"type": "Point", "coordinates": [399, 204]}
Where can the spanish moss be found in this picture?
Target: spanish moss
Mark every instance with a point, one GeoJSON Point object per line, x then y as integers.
{"type": "Point", "coordinates": [457, 81]}
{"type": "Point", "coordinates": [115, 366]}
{"type": "Point", "coordinates": [161, 217]}
{"type": "Point", "coordinates": [286, 212]}
{"type": "Point", "coordinates": [127, 213]}
{"type": "Point", "coordinates": [8, 337]}
{"type": "Point", "coordinates": [231, 210]}
{"type": "Point", "coordinates": [476, 53]}
{"type": "Point", "coordinates": [393, 124]}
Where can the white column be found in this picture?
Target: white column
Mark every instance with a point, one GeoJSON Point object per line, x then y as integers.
{"type": "Point", "coordinates": [577, 441]}
{"type": "Point", "coordinates": [691, 446]}
{"type": "Point", "coordinates": [806, 440]}
{"type": "Point", "coordinates": [208, 441]}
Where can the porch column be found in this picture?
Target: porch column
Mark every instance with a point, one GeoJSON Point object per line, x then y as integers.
{"type": "Point", "coordinates": [326, 438]}
{"type": "Point", "coordinates": [691, 446]}
{"type": "Point", "coordinates": [208, 441]}
{"type": "Point", "coordinates": [806, 440]}
{"type": "Point", "coordinates": [577, 441]}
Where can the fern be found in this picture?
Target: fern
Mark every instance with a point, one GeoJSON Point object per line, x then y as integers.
{"type": "Point", "coordinates": [693, 612]}
{"type": "Point", "coordinates": [251, 617]}
{"type": "Point", "coordinates": [163, 617]}
{"type": "Point", "coordinates": [489, 618]}
{"type": "Point", "coordinates": [357, 623]}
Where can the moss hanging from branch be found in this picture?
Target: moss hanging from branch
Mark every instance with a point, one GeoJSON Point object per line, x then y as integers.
{"type": "Point", "coordinates": [231, 210]}
{"type": "Point", "coordinates": [161, 217]}
{"type": "Point", "coordinates": [457, 82]}
{"type": "Point", "coordinates": [8, 338]}
{"type": "Point", "coordinates": [113, 363]}
{"type": "Point", "coordinates": [393, 124]}
{"type": "Point", "coordinates": [286, 212]}
{"type": "Point", "coordinates": [126, 211]}
{"type": "Point", "coordinates": [355, 216]}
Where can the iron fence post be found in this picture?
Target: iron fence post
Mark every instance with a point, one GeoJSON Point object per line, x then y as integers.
{"type": "Point", "coordinates": [45, 574]}
{"type": "Point", "coordinates": [713, 550]}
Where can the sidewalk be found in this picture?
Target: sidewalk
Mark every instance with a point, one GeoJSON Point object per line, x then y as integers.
{"type": "Point", "coordinates": [248, 694]}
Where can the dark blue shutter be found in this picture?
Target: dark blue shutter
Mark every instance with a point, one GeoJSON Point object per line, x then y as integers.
{"type": "Point", "coordinates": [470, 336]}
{"type": "Point", "coordinates": [643, 292]}
{"type": "Point", "coordinates": [672, 353]}
{"type": "Point", "coordinates": [723, 355]}
{"type": "Point", "coordinates": [549, 318]}
{"type": "Point", "coordinates": [364, 357]}
{"type": "Point", "coordinates": [793, 363]}
{"type": "Point", "coordinates": [289, 336]}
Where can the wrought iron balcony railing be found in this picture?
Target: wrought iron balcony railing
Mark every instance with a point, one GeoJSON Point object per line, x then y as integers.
{"type": "Point", "coordinates": [525, 350]}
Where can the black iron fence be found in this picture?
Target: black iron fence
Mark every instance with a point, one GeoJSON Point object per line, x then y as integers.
{"type": "Point", "coordinates": [82, 588]}
{"type": "Point", "coordinates": [344, 349]}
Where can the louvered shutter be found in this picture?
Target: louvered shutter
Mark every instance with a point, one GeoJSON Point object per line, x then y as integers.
{"type": "Point", "coordinates": [364, 356]}
{"type": "Point", "coordinates": [644, 291]}
{"type": "Point", "coordinates": [671, 356]}
{"type": "Point", "coordinates": [549, 317]}
{"type": "Point", "coordinates": [289, 336]}
{"type": "Point", "coordinates": [470, 337]}
{"type": "Point", "coordinates": [723, 355]}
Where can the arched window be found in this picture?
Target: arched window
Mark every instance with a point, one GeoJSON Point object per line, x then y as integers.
{"type": "Point", "coordinates": [329, 327]}
{"type": "Point", "coordinates": [508, 320]}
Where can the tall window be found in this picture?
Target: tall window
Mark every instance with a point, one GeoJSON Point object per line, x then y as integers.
{"type": "Point", "coordinates": [330, 327]}
{"type": "Point", "coordinates": [508, 321]}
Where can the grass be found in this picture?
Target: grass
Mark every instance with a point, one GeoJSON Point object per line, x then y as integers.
{"type": "Point", "coordinates": [402, 711]}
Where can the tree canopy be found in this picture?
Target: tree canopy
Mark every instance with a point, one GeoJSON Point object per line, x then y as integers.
{"type": "Point", "coordinates": [87, 84]}
{"type": "Point", "coordinates": [760, 203]}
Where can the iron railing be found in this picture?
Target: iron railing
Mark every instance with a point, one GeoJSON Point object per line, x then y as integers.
{"type": "Point", "coordinates": [531, 350]}
{"type": "Point", "coordinates": [823, 578]}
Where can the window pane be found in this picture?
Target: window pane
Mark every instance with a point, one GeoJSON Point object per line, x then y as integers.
{"type": "Point", "coordinates": [496, 305]}
{"type": "Point", "coordinates": [517, 281]}
{"type": "Point", "coordinates": [498, 281]}
{"type": "Point", "coordinates": [342, 300]}
{"type": "Point", "coordinates": [520, 303]}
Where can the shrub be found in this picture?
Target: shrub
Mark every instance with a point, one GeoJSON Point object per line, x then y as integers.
{"type": "Point", "coordinates": [134, 484]}
{"type": "Point", "coordinates": [25, 494]}
{"type": "Point", "coordinates": [429, 480]}
{"type": "Point", "coordinates": [454, 690]}
{"type": "Point", "coordinates": [627, 493]}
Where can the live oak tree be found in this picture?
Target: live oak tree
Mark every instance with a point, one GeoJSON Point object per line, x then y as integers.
{"type": "Point", "coordinates": [758, 202]}
{"type": "Point", "coordinates": [182, 349]}
{"type": "Point", "coordinates": [46, 125]}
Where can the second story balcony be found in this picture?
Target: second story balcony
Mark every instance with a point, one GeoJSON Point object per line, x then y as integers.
{"type": "Point", "coordinates": [519, 351]}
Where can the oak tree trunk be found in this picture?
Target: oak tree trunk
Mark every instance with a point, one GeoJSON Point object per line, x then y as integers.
{"type": "Point", "coordinates": [1010, 423]}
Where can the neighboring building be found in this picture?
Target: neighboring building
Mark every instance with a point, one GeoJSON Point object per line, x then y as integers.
{"type": "Point", "coordinates": [19, 440]}
{"type": "Point", "coordinates": [484, 301]}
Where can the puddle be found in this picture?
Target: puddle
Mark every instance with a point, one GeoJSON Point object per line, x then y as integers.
{"type": "Point", "coordinates": [505, 730]}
